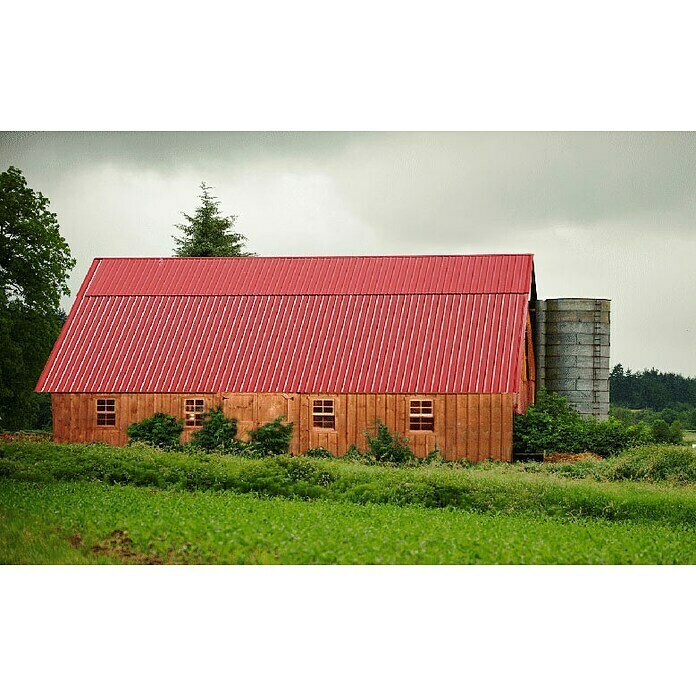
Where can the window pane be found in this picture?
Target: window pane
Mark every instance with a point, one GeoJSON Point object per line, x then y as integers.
{"type": "Point", "coordinates": [106, 418]}
{"type": "Point", "coordinates": [323, 421]}
{"type": "Point", "coordinates": [322, 407]}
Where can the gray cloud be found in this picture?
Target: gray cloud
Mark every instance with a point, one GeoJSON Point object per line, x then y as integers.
{"type": "Point", "coordinates": [169, 151]}
{"type": "Point", "coordinates": [495, 184]}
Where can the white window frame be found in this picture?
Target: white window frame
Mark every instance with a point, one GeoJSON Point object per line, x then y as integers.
{"type": "Point", "coordinates": [195, 413]}
{"type": "Point", "coordinates": [421, 414]}
{"type": "Point", "coordinates": [325, 412]}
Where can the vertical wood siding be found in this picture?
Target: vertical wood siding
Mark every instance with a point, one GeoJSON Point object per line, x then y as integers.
{"type": "Point", "coordinates": [527, 387]}
{"type": "Point", "coordinates": [466, 426]}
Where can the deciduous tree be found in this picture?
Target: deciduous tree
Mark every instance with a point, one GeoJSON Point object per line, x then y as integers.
{"type": "Point", "coordinates": [35, 263]}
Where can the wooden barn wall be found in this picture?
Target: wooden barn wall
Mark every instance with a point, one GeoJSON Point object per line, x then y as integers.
{"type": "Point", "coordinates": [527, 387]}
{"type": "Point", "coordinates": [466, 426]}
{"type": "Point", "coordinates": [75, 415]}
{"type": "Point", "coordinates": [471, 426]}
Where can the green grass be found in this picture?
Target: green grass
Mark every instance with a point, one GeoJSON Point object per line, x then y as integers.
{"type": "Point", "coordinates": [550, 490]}
{"type": "Point", "coordinates": [94, 503]}
{"type": "Point", "coordinates": [97, 523]}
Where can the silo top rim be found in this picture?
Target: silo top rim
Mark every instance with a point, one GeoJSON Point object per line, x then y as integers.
{"type": "Point", "coordinates": [600, 299]}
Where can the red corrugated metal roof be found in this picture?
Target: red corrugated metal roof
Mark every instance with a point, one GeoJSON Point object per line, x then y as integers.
{"type": "Point", "coordinates": [422, 324]}
{"type": "Point", "coordinates": [312, 275]}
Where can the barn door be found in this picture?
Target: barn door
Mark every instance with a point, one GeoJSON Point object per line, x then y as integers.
{"type": "Point", "coordinates": [241, 407]}
{"type": "Point", "coordinates": [252, 410]}
{"type": "Point", "coordinates": [270, 406]}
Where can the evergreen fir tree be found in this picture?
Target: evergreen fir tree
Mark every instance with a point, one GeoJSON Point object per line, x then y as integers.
{"type": "Point", "coordinates": [208, 233]}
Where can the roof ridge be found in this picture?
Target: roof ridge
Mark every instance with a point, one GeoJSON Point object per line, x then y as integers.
{"type": "Point", "coordinates": [318, 256]}
{"type": "Point", "coordinates": [299, 294]}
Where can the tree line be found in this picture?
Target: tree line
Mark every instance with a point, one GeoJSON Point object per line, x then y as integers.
{"type": "Point", "coordinates": [35, 264]}
{"type": "Point", "coordinates": [651, 395]}
{"type": "Point", "coordinates": [650, 389]}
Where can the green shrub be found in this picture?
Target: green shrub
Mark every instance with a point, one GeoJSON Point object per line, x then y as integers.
{"type": "Point", "coordinates": [160, 430]}
{"type": "Point", "coordinates": [553, 425]}
{"type": "Point", "coordinates": [613, 436]}
{"type": "Point", "coordinates": [660, 431]}
{"type": "Point", "coordinates": [272, 438]}
{"type": "Point", "coordinates": [657, 463]}
{"type": "Point", "coordinates": [319, 452]}
{"type": "Point", "coordinates": [549, 424]}
{"type": "Point", "coordinates": [244, 449]}
{"type": "Point", "coordinates": [434, 456]}
{"type": "Point", "coordinates": [353, 454]}
{"type": "Point", "coordinates": [387, 447]}
{"type": "Point", "coordinates": [676, 432]}
{"type": "Point", "coordinates": [299, 470]}
{"type": "Point", "coordinates": [216, 433]}
{"type": "Point", "coordinates": [667, 433]}
{"type": "Point", "coordinates": [43, 418]}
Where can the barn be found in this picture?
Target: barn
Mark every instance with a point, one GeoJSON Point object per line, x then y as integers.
{"type": "Point", "coordinates": [439, 348]}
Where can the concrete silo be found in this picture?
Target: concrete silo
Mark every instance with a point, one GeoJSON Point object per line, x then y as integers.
{"type": "Point", "coordinates": [572, 351]}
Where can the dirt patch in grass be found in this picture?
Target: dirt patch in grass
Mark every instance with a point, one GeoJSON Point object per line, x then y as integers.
{"type": "Point", "coordinates": [559, 457]}
{"type": "Point", "coordinates": [26, 437]}
{"type": "Point", "coordinates": [119, 545]}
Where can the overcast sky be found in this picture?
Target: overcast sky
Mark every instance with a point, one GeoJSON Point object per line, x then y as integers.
{"type": "Point", "coordinates": [606, 215]}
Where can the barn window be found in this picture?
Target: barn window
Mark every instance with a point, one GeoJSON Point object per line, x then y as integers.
{"type": "Point", "coordinates": [106, 411]}
{"type": "Point", "coordinates": [193, 412]}
{"type": "Point", "coordinates": [323, 415]}
{"type": "Point", "coordinates": [421, 415]}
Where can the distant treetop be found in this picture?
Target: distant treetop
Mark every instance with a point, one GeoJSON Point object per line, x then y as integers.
{"type": "Point", "coordinates": [209, 233]}
{"type": "Point", "coordinates": [650, 388]}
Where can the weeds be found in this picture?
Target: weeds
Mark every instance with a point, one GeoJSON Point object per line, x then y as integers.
{"type": "Point", "coordinates": [489, 487]}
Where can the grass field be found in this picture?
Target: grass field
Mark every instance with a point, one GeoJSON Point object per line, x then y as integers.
{"type": "Point", "coordinates": [97, 504]}
{"type": "Point", "coordinates": [97, 523]}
